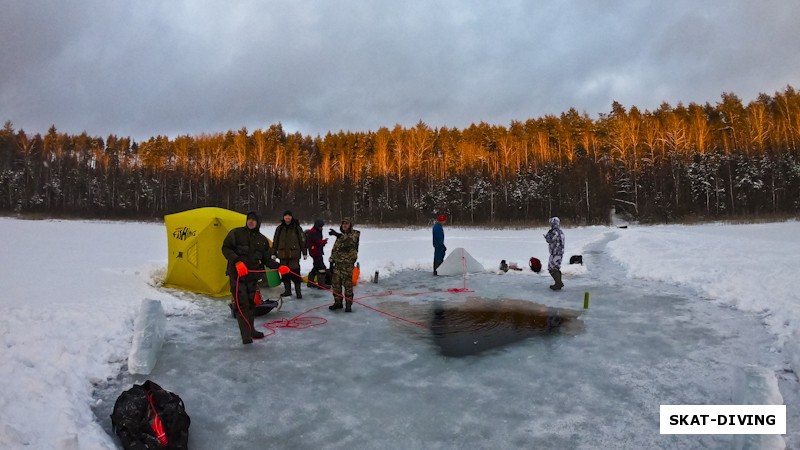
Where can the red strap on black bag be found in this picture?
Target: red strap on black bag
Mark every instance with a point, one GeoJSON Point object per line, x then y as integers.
{"type": "Point", "coordinates": [158, 428]}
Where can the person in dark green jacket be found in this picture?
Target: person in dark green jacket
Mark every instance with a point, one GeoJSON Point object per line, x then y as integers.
{"type": "Point", "coordinates": [290, 244]}
{"type": "Point", "coordinates": [247, 252]}
{"type": "Point", "coordinates": [343, 258]}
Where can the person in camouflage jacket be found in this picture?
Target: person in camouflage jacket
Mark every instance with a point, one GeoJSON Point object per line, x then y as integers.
{"type": "Point", "coordinates": [343, 258]}
{"type": "Point", "coordinates": [555, 243]}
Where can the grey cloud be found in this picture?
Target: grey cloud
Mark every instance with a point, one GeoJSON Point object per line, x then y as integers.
{"type": "Point", "coordinates": [147, 68]}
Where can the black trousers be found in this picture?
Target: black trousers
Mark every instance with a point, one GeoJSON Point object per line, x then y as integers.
{"type": "Point", "coordinates": [243, 290]}
{"type": "Point", "coordinates": [319, 267]}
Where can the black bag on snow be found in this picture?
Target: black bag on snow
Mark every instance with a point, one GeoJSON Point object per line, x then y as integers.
{"type": "Point", "coordinates": [137, 411]}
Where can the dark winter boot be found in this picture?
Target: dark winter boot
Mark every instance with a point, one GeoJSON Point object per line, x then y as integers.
{"type": "Point", "coordinates": [246, 326]}
{"type": "Point", "coordinates": [254, 334]}
{"type": "Point", "coordinates": [323, 280]}
{"type": "Point", "coordinates": [287, 285]}
{"type": "Point", "coordinates": [559, 284]}
{"type": "Point", "coordinates": [245, 330]}
{"type": "Point", "coordinates": [337, 304]}
{"type": "Point", "coordinates": [297, 284]}
{"type": "Point", "coordinates": [556, 274]}
{"type": "Point", "coordinates": [348, 307]}
{"type": "Point", "coordinates": [234, 313]}
{"type": "Point", "coordinates": [312, 278]}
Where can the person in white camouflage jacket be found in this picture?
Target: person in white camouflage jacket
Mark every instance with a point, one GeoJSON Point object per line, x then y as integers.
{"type": "Point", "coordinates": [555, 242]}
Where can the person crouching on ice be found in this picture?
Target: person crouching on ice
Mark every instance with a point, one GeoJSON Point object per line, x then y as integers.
{"type": "Point", "coordinates": [343, 256]}
{"type": "Point", "coordinates": [247, 252]}
{"type": "Point", "coordinates": [555, 242]}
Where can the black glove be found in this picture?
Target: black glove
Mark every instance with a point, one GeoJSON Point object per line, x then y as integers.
{"type": "Point", "coordinates": [333, 232]}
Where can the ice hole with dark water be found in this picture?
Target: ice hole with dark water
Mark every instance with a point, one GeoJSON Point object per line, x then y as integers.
{"type": "Point", "coordinates": [477, 325]}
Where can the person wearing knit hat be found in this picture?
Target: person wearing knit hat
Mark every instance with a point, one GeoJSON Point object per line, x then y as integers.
{"type": "Point", "coordinates": [289, 243]}
{"type": "Point", "coordinates": [319, 276]}
{"type": "Point", "coordinates": [343, 257]}
{"type": "Point", "coordinates": [439, 248]}
{"type": "Point", "coordinates": [247, 252]}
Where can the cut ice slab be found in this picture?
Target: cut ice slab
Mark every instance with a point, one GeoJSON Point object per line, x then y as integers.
{"type": "Point", "coordinates": [148, 336]}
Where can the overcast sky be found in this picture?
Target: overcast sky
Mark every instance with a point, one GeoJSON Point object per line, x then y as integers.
{"type": "Point", "coordinates": [146, 67]}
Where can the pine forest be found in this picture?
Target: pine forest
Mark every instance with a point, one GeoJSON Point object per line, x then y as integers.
{"type": "Point", "coordinates": [708, 162]}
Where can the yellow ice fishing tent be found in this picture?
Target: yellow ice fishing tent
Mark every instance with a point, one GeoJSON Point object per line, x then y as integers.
{"type": "Point", "coordinates": [194, 243]}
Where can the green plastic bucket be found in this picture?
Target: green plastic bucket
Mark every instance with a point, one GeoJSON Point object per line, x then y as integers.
{"type": "Point", "coordinates": [273, 278]}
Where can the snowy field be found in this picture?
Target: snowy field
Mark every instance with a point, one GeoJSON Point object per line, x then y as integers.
{"type": "Point", "coordinates": [676, 312]}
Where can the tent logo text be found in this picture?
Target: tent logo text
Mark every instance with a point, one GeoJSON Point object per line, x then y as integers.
{"type": "Point", "coordinates": [183, 233]}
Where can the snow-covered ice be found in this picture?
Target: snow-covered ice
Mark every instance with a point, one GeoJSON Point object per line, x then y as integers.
{"type": "Point", "coordinates": [675, 313]}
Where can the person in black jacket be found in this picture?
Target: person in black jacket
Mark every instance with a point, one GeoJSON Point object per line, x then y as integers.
{"type": "Point", "coordinates": [247, 252]}
{"type": "Point", "coordinates": [316, 248]}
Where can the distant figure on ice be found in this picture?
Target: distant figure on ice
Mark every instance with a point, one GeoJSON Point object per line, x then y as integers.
{"type": "Point", "coordinates": [555, 242]}
{"type": "Point", "coordinates": [290, 244]}
{"type": "Point", "coordinates": [343, 257]}
{"type": "Point", "coordinates": [316, 249]}
{"type": "Point", "coordinates": [438, 243]}
{"type": "Point", "coordinates": [246, 250]}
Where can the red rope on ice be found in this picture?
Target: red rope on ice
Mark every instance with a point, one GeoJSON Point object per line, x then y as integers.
{"type": "Point", "coordinates": [299, 322]}
{"type": "Point", "coordinates": [463, 276]}
{"type": "Point", "coordinates": [291, 322]}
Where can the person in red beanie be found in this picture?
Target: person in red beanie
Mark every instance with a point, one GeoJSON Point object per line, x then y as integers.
{"type": "Point", "coordinates": [438, 243]}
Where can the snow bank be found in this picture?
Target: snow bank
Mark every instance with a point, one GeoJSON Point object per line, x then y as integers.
{"type": "Point", "coordinates": [756, 386]}
{"type": "Point", "coordinates": [792, 351]}
{"type": "Point", "coordinates": [751, 267]}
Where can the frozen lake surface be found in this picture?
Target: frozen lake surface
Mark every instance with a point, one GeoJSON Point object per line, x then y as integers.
{"type": "Point", "coordinates": [368, 380]}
